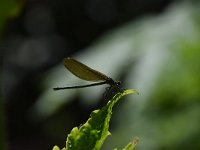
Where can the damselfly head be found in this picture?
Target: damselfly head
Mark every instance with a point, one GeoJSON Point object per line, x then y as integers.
{"type": "Point", "coordinates": [118, 83]}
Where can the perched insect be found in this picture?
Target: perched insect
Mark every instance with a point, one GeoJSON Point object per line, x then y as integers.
{"type": "Point", "coordinates": [86, 73]}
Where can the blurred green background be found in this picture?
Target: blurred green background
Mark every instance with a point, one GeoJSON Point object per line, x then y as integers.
{"type": "Point", "coordinates": [151, 46]}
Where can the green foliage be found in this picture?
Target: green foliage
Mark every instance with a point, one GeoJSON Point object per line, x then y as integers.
{"type": "Point", "coordinates": [93, 133]}
{"type": "Point", "coordinates": [56, 148]}
{"type": "Point", "coordinates": [131, 145]}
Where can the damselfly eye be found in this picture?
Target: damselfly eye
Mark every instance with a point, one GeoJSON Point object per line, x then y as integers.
{"type": "Point", "coordinates": [118, 83]}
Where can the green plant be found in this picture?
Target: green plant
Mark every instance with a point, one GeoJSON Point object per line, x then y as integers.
{"type": "Point", "coordinates": [92, 134]}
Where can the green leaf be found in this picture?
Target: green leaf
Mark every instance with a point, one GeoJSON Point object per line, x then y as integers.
{"type": "Point", "coordinates": [92, 134]}
{"type": "Point", "coordinates": [56, 148]}
{"type": "Point", "coordinates": [132, 145]}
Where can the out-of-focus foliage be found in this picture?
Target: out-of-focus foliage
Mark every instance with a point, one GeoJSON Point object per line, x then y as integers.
{"type": "Point", "coordinates": [93, 133]}
{"type": "Point", "coordinates": [174, 105]}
